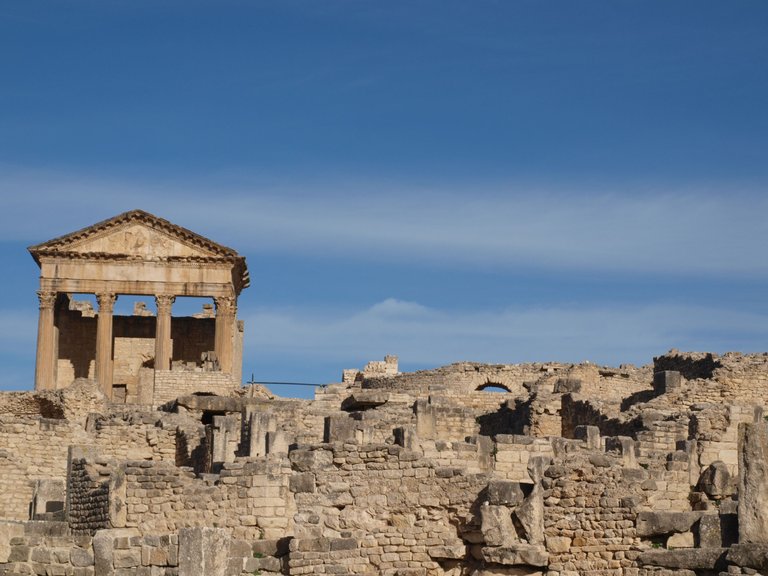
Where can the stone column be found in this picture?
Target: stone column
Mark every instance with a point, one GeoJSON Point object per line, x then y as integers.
{"type": "Point", "coordinates": [46, 345]}
{"type": "Point", "coordinates": [104, 342]}
{"type": "Point", "coordinates": [753, 483]}
{"type": "Point", "coordinates": [163, 332]}
{"type": "Point", "coordinates": [226, 311]}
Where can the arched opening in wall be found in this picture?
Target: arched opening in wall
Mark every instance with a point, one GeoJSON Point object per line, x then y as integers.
{"type": "Point", "coordinates": [493, 387]}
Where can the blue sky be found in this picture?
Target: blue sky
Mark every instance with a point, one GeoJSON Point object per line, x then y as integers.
{"type": "Point", "coordinates": [490, 181]}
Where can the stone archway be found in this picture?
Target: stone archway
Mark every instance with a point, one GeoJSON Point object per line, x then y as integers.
{"type": "Point", "coordinates": [493, 387]}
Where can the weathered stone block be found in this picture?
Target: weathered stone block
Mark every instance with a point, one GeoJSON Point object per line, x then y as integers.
{"type": "Point", "coordinates": [682, 540]}
{"type": "Point", "coordinates": [536, 467]}
{"type": "Point", "coordinates": [312, 545]}
{"type": "Point", "coordinates": [496, 525]}
{"type": "Point", "coordinates": [567, 385]}
{"type": "Point", "coordinates": [19, 553]}
{"type": "Point", "coordinates": [304, 482]}
{"type": "Point", "coordinates": [600, 461]}
{"type": "Point", "coordinates": [754, 556]}
{"type": "Point", "coordinates": [268, 563]}
{"type": "Point", "coordinates": [104, 548]}
{"type": "Point", "coordinates": [753, 483]}
{"type": "Point", "coordinates": [203, 551]}
{"type": "Point", "coordinates": [687, 559]}
{"type": "Point", "coordinates": [504, 492]}
{"type": "Point", "coordinates": [79, 557]}
{"type": "Point", "coordinates": [311, 460]}
{"type": "Point", "coordinates": [558, 544]}
{"type": "Point", "coordinates": [8, 531]}
{"type": "Point", "coordinates": [666, 381]}
{"type": "Point", "coordinates": [127, 558]}
{"type": "Point", "coordinates": [519, 554]}
{"type": "Point", "coordinates": [661, 523]}
{"type": "Point", "coordinates": [271, 547]}
{"type": "Point", "coordinates": [530, 514]}
{"type": "Point", "coordinates": [340, 429]}
{"type": "Point", "coordinates": [344, 544]}
{"type": "Point", "coordinates": [709, 531]}
{"type": "Point", "coordinates": [452, 551]}
{"type": "Point", "coordinates": [590, 435]}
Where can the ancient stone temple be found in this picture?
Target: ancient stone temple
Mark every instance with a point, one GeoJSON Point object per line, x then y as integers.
{"type": "Point", "coordinates": [146, 357]}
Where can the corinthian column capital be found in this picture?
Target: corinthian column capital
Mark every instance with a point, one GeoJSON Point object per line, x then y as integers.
{"type": "Point", "coordinates": [106, 302]}
{"type": "Point", "coordinates": [225, 305]}
{"type": "Point", "coordinates": [47, 299]}
{"type": "Point", "coordinates": [164, 303]}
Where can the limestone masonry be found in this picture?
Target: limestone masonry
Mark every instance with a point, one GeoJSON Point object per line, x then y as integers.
{"type": "Point", "coordinates": [139, 453]}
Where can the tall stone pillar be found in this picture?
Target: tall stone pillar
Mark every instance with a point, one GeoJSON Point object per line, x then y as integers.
{"type": "Point", "coordinates": [104, 342]}
{"type": "Point", "coordinates": [45, 367]}
{"type": "Point", "coordinates": [226, 312]}
{"type": "Point", "coordinates": [753, 483]}
{"type": "Point", "coordinates": [163, 332]}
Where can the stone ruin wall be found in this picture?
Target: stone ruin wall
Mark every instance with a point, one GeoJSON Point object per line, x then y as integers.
{"type": "Point", "coordinates": [737, 378]}
{"type": "Point", "coordinates": [577, 469]}
{"type": "Point", "coordinates": [170, 384]}
{"type": "Point", "coordinates": [35, 447]}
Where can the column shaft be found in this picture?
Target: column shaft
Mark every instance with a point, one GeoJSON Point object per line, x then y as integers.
{"type": "Point", "coordinates": [104, 342]}
{"type": "Point", "coordinates": [163, 342]}
{"type": "Point", "coordinates": [226, 312]}
{"type": "Point", "coordinates": [46, 349]}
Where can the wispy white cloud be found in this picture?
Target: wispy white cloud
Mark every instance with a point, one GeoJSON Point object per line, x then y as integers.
{"type": "Point", "coordinates": [428, 336]}
{"type": "Point", "coordinates": [665, 231]}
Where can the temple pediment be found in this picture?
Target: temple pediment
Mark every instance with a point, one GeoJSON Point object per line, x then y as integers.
{"type": "Point", "coordinates": [136, 235]}
{"type": "Point", "coordinates": [139, 240]}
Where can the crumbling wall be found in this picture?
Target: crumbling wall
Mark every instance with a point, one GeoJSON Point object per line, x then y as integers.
{"type": "Point", "coordinates": [579, 411]}
{"type": "Point", "coordinates": [511, 454]}
{"type": "Point", "coordinates": [250, 497]}
{"type": "Point", "coordinates": [47, 548]}
{"type": "Point", "coordinates": [131, 437]}
{"type": "Point", "coordinates": [377, 509]}
{"type": "Point", "coordinates": [715, 428]}
{"type": "Point", "coordinates": [88, 495]}
{"type": "Point", "coordinates": [409, 484]}
{"type": "Point", "coordinates": [741, 378]}
{"type": "Point", "coordinates": [29, 404]}
{"type": "Point", "coordinates": [31, 449]}
{"type": "Point", "coordinates": [609, 384]}
{"type": "Point", "coordinates": [590, 515]}
{"type": "Point", "coordinates": [464, 377]}
{"type": "Point", "coordinates": [36, 449]}
{"type": "Point", "coordinates": [170, 384]}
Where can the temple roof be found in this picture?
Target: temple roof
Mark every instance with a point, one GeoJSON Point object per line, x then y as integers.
{"type": "Point", "coordinates": [139, 235]}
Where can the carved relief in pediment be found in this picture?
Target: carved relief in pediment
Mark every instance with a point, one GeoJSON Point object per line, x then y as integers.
{"type": "Point", "coordinates": [139, 241]}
